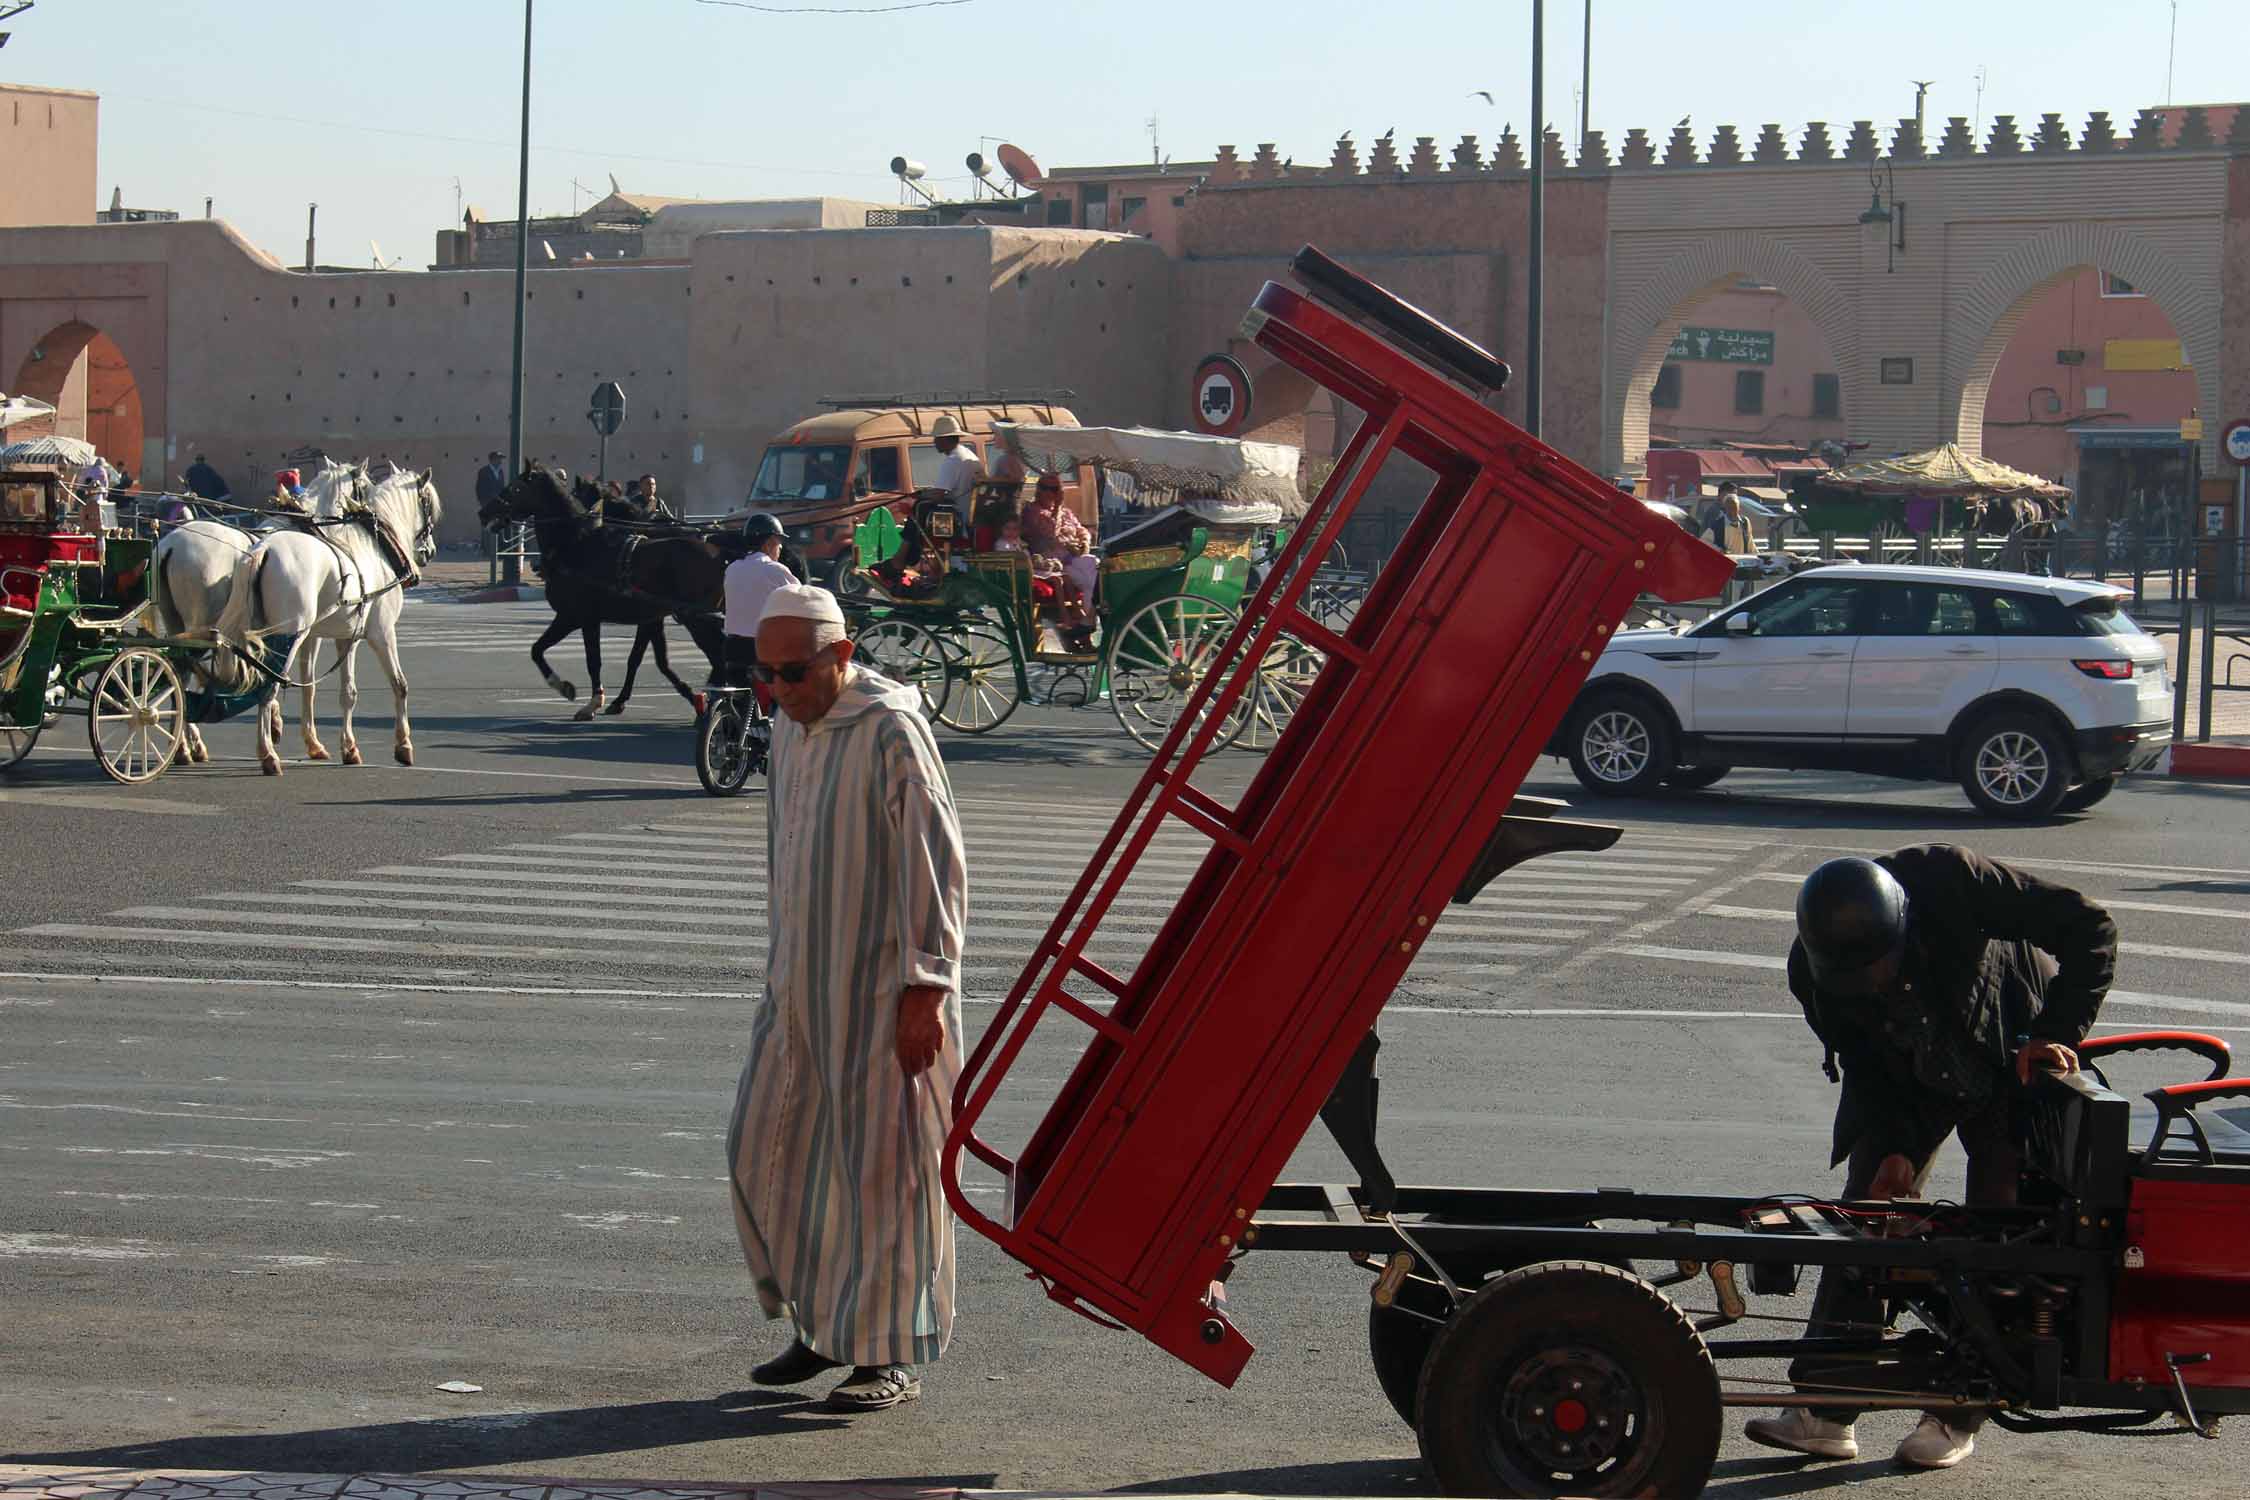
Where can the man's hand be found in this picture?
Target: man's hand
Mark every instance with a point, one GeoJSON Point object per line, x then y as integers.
{"type": "Point", "coordinates": [1893, 1179]}
{"type": "Point", "coordinates": [921, 1028]}
{"type": "Point", "coordinates": [2045, 1057]}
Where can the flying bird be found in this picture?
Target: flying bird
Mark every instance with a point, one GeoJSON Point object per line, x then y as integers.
{"type": "Point", "coordinates": [1484, 94]}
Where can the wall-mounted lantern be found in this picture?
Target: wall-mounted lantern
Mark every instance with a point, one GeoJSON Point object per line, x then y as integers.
{"type": "Point", "coordinates": [1880, 177]}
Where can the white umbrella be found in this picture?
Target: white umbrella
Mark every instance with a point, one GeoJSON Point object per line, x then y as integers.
{"type": "Point", "coordinates": [49, 450]}
{"type": "Point", "coordinates": [14, 409]}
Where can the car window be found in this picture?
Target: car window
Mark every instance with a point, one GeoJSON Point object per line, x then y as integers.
{"type": "Point", "coordinates": [2022, 614]}
{"type": "Point", "coordinates": [926, 460]}
{"type": "Point", "coordinates": [2044, 614]}
{"type": "Point", "coordinates": [2103, 617]}
{"type": "Point", "coordinates": [1924, 609]}
{"type": "Point", "coordinates": [878, 471]}
{"type": "Point", "coordinates": [1807, 609]}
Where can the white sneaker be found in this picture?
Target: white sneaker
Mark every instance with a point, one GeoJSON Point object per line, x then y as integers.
{"type": "Point", "coordinates": [1799, 1431]}
{"type": "Point", "coordinates": [1933, 1445]}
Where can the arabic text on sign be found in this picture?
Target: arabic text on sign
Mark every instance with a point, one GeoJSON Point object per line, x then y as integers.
{"type": "Point", "coordinates": [1734, 346]}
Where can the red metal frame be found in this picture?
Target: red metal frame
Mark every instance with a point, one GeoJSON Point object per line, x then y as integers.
{"type": "Point", "coordinates": [1211, 1060]}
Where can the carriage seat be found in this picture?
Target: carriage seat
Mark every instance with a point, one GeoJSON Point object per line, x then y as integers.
{"type": "Point", "coordinates": [2176, 1124]}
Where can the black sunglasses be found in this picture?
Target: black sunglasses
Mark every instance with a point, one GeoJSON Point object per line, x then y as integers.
{"type": "Point", "coordinates": [792, 673]}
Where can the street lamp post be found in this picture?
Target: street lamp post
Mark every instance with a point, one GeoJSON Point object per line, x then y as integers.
{"type": "Point", "coordinates": [1534, 291]}
{"type": "Point", "coordinates": [512, 566]}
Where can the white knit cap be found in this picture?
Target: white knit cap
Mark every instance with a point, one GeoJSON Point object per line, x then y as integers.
{"type": "Point", "coordinates": [802, 601]}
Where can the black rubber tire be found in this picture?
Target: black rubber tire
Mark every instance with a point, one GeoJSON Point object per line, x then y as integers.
{"type": "Point", "coordinates": [1398, 1342]}
{"type": "Point", "coordinates": [2079, 798]}
{"type": "Point", "coordinates": [1489, 1427]}
{"type": "Point", "coordinates": [1694, 778]}
{"type": "Point", "coordinates": [723, 770]}
{"type": "Point", "coordinates": [1628, 731]}
{"type": "Point", "coordinates": [2027, 741]}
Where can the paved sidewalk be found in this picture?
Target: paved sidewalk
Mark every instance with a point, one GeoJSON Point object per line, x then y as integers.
{"type": "Point", "coordinates": [33, 1482]}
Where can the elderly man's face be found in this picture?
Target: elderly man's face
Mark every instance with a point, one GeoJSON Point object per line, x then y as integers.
{"type": "Point", "coordinates": [787, 645]}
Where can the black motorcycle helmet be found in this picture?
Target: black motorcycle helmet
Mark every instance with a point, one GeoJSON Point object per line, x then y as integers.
{"type": "Point", "coordinates": [1852, 917]}
{"type": "Point", "coordinates": [760, 528]}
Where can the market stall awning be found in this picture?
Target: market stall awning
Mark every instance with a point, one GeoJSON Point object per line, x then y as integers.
{"type": "Point", "coordinates": [14, 409]}
{"type": "Point", "coordinates": [1944, 471]}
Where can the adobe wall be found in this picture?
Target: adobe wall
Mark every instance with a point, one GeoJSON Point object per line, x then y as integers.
{"type": "Point", "coordinates": [2234, 299]}
{"type": "Point", "coordinates": [47, 158]}
{"type": "Point", "coordinates": [241, 359]}
{"type": "Point", "coordinates": [1453, 246]}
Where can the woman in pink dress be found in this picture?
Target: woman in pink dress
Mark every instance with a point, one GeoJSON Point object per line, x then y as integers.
{"type": "Point", "coordinates": [1052, 531]}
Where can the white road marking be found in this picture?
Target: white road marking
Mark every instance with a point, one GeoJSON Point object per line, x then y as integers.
{"type": "Point", "coordinates": [67, 798]}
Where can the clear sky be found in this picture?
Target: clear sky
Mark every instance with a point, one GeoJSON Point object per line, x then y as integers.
{"type": "Point", "coordinates": [373, 108]}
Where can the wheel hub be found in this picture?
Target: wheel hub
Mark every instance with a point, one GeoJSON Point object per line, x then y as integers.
{"type": "Point", "coordinates": [1570, 1411]}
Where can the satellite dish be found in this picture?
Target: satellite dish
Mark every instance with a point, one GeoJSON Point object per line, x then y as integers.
{"type": "Point", "coordinates": [977, 165]}
{"type": "Point", "coordinates": [1021, 169]}
{"type": "Point", "coordinates": [912, 171]}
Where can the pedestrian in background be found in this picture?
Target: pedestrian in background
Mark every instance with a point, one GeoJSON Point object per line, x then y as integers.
{"type": "Point", "coordinates": [204, 482]}
{"type": "Point", "coordinates": [491, 480]}
{"type": "Point", "coordinates": [847, 1096]}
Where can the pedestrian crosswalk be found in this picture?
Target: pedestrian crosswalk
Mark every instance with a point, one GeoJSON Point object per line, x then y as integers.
{"type": "Point", "coordinates": [480, 630]}
{"type": "Point", "coordinates": [680, 902]}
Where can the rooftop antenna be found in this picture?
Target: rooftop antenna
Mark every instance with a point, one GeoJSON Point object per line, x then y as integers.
{"type": "Point", "coordinates": [1980, 102]}
{"type": "Point", "coordinates": [577, 187]}
{"type": "Point", "coordinates": [1156, 153]}
{"type": "Point", "coordinates": [1921, 92]}
{"type": "Point", "coordinates": [2171, 52]}
{"type": "Point", "coordinates": [456, 202]}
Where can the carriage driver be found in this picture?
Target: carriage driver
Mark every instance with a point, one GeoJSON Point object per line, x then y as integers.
{"type": "Point", "coordinates": [1940, 981]}
{"type": "Point", "coordinates": [747, 584]}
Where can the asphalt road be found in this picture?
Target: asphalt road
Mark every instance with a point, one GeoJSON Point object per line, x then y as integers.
{"type": "Point", "coordinates": [321, 1091]}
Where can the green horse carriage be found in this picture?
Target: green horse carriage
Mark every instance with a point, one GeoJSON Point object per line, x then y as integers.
{"type": "Point", "coordinates": [978, 634]}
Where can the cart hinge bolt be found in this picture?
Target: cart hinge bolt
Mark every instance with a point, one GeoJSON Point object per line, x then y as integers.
{"type": "Point", "coordinates": [1585, 656]}
{"type": "Point", "coordinates": [1226, 1239]}
{"type": "Point", "coordinates": [1421, 921]}
{"type": "Point", "coordinates": [1639, 563]}
{"type": "Point", "coordinates": [1405, 947]}
{"type": "Point", "coordinates": [1242, 1213]}
{"type": "Point", "coordinates": [1250, 1235]}
{"type": "Point", "coordinates": [1601, 630]}
{"type": "Point", "coordinates": [1648, 546]}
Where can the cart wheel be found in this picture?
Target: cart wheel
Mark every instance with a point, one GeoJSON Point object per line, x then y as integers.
{"type": "Point", "coordinates": [1284, 678]}
{"type": "Point", "coordinates": [15, 744]}
{"type": "Point", "coordinates": [1399, 1336]}
{"type": "Point", "coordinates": [136, 716]}
{"type": "Point", "coordinates": [726, 756]}
{"type": "Point", "coordinates": [983, 691]}
{"type": "Point", "coordinates": [1569, 1378]}
{"type": "Point", "coordinates": [1159, 656]}
{"type": "Point", "coordinates": [851, 583]}
{"type": "Point", "coordinates": [906, 652]}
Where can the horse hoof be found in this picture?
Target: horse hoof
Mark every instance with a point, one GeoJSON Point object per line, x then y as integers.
{"type": "Point", "coordinates": [569, 690]}
{"type": "Point", "coordinates": [583, 715]}
{"type": "Point", "coordinates": [316, 752]}
{"type": "Point", "coordinates": [405, 754]}
{"type": "Point", "coordinates": [615, 708]}
{"type": "Point", "coordinates": [270, 767]}
{"type": "Point", "coordinates": [351, 755]}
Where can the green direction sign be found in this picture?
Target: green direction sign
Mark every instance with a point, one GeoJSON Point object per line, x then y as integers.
{"type": "Point", "coordinates": [1733, 346]}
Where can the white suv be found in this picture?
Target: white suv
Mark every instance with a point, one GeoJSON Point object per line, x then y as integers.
{"type": "Point", "coordinates": [2036, 694]}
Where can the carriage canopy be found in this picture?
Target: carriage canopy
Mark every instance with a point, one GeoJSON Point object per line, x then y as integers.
{"type": "Point", "coordinates": [1221, 478]}
{"type": "Point", "coordinates": [1947, 471]}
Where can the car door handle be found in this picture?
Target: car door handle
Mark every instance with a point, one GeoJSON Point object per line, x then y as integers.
{"type": "Point", "coordinates": [1827, 653]}
{"type": "Point", "coordinates": [1966, 651]}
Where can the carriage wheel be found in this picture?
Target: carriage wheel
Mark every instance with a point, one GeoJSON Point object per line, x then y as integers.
{"type": "Point", "coordinates": [983, 691]}
{"type": "Point", "coordinates": [137, 716]}
{"type": "Point", "coordinates": [1159, 657]}
{"type": "Point", "coordinates": [851, 583]}
{"type": "Point", "coordinates": [906, 652]}
{"type": "Point", "coordinates": [1569, 1378]}
{"type": "Point", "coordinates": [1284, 678]}
{"type": "Point", "coordinates": [15, 744]}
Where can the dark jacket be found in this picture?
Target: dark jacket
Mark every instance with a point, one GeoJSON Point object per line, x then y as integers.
{"type": "Point", "coordinates": [204, 482]}
{"type": "Point", "coordinates": [492, 479]}
{"type": "Point", "coordinates": [1997, 952]}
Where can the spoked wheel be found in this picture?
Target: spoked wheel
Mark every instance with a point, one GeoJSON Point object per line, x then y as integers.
{"type": "Point", "coordinates": [15, 744]}
{"type": "Point", "coordinates": [1284, 678]}
{"type": "Point", "coordinates": [983, 691]}
{"type": "Point", "coordinates": [1569, 1378]}
{"type": "Point", "coordinates": [728, 750]}
{"type": "Point", "coordinates": [137, 716]}
{"type": "Point", "coordinates": [851, 582]}
{"type": "Point", "coordinates": [906, 652]}
{"type": "Point", "coordinates": [1159, 657]}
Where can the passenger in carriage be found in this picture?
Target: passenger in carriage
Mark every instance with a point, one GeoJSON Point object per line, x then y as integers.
{"type": "Point", "coordinates": [1060, 539]}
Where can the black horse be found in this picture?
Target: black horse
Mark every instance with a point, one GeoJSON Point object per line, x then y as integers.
{"type": "Point", "coordinates": [598, 572]}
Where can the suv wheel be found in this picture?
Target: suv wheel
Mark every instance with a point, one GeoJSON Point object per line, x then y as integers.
{"type": "Point", "coordinates": [2013, 765]}
{"type": "Point", "coordinates": [1619, 746]}
{"type": "Point", "coordinates": [2083, 797]}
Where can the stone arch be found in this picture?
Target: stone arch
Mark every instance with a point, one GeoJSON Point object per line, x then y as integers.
{"type": "Point", "coordinates": [1980, 320]}
{"type": "Point", "coordinates": [86, 375]}
{"type": "Point", "coordinates": [1646, 320]}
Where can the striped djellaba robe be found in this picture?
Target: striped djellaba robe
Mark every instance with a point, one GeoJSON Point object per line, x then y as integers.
{"type": "Point", "coordinates": [834, 1150]}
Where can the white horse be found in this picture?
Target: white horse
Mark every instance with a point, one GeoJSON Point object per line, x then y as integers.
{"type": "Point", "coordinates": [341, 584]}
{"type": "Point", "coordinates": [195, 566]}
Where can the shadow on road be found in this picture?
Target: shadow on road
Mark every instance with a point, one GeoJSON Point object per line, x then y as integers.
{"type": "Point", "coordinates": [483, 1441]}
{"type": "Point", "coordinates": [1374, 1477]}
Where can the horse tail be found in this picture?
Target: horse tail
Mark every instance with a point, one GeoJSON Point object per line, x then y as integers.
{"type": "Point", "coordinates": [238, 623]}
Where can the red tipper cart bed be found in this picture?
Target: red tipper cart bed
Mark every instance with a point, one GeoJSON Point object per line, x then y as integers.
{"type": "Point", "coordinates": [1504, 1323]}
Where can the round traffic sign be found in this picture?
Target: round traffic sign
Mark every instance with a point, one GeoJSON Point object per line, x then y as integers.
{"type": "Point", "coordinates": [1222, 396]}
{"type": "Point", "coordinates": [2235, 441]}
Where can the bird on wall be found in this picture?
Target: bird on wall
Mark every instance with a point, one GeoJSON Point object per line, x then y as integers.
{"type": "Point", "coordinates": [1683, 122]}
{"type": "Point", "coordinates": [1386, 135]}
{"type": "Point", "coordinates": [1484, 94]}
